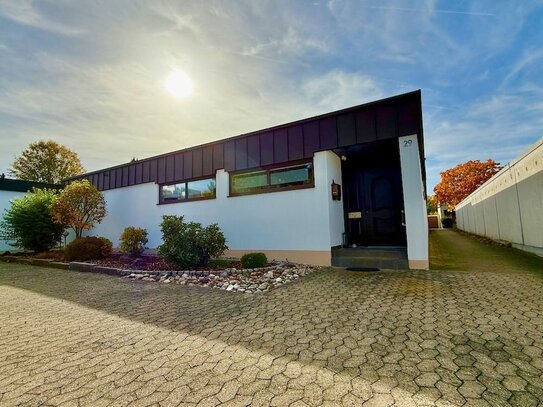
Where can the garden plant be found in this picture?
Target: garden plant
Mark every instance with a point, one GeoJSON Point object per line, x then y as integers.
{"type": "Point", "coordinates": [188, 244]}
{"type": "Point", "coordinates": [29, 224]}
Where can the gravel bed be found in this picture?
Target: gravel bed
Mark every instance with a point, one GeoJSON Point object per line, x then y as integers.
{"type": "Point", "coordinates": [257, 280]}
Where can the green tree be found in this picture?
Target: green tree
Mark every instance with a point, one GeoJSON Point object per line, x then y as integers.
{"type": "Point", "coordinates": [80, 206]}
{"type": "Point", "coordinates": [46, 161]}
{"type": "Point", "coordinates": [29, 224]}
{"type": "Point", "coordinates": [431, 204]}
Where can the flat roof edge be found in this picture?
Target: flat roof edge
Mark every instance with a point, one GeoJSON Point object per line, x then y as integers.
{"type": "Point", "coordinates": [415, 93]}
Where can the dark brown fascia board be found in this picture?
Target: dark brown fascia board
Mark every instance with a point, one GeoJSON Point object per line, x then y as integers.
{"type": "Point", "coordinates": [265, 130]}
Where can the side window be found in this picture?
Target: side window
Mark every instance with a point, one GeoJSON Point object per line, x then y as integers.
{"type": "Point", "coordinates": [187, 191]}
{"type": "Point", "coordinates": [271, 180]}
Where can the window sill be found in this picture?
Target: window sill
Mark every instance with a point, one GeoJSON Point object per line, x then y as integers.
{"type": "Point", "coordinates": [207, 198]}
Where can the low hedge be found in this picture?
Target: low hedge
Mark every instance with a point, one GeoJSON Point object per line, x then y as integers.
{"type": "Point", "coordinates": [88, 248]}
{"type": "Point", "coordinates": [253, 260]}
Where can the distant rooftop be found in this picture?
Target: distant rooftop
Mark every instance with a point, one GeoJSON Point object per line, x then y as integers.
{"type": "Point", "coordinates": [17, 185]}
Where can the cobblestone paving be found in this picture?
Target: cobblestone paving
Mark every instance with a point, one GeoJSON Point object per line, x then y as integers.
{"type": "Point", "coordinates": [443, 338]}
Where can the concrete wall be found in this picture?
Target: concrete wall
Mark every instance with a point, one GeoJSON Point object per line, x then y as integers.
{"type": "Point", "coordinates": [509, 206]}
{"type": "Point", "coordinates": [5, 198]}
{"type": "Point", "coordinates": [301, 225]}
{"type": "Point", "coordinates": [414, 203]}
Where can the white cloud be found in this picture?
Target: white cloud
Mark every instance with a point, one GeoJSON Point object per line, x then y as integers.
{"type": "Point", "coordinates": [500, 127]}
{"type": "Point", "coordinates": [290, 43]}
{"type": "Point", "coordinates": [528, 59]}
{"type": "Point", "coordinates": [25, 12]}
{"type": "Point", "coordinates": [338, 89]}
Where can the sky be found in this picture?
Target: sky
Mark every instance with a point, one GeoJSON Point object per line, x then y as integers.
{"type": "Point", "coordinates": [90, 74]}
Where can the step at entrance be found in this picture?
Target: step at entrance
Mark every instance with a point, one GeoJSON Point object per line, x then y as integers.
{"type": "Point", "coordinates": [394, 258]}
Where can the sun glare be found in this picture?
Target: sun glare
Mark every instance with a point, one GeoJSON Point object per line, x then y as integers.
{"type": "Point", "coordinates": [179, 84]}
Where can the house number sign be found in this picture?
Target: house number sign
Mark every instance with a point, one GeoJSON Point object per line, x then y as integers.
{"type": "Point", "coordinates": [355, 215]}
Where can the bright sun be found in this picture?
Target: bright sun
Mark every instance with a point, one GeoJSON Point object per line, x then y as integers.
{"type": "Point", "coordinates": [179, 84]}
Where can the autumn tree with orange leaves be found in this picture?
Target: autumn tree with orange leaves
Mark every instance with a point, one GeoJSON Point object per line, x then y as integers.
{"type": "Point", "coordinates": [80, 205]}
{"type": "Point", "coordinates": [46, 161]}
{"type": "Point", "coordinates": [460, 181]}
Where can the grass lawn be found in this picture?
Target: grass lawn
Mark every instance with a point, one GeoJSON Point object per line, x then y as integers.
{"type": "Point", "coordinates": [453, 250]}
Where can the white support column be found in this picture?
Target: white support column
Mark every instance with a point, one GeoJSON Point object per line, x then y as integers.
{"type": "Point", "coordinates": [414, 203]}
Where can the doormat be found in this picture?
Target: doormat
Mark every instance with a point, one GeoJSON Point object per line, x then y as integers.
{"type": "Point", "coordinates": [366, 269]}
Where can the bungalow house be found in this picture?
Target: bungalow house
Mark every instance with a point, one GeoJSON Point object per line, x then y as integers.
{"type": "Point", "coordinates": [341, 188]}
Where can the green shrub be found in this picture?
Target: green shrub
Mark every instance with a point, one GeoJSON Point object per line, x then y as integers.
{"type": "Point", "coordinates": [210, 243]}
{"type": "Point", "coordinates": [188, 244]}
{"type": "Point", "coordinates": [28, 223]}
{"type": "Point", "coordinates": [133, 240]}
{"type": "Point", "coordinates": [253, 260]}
{"type": "Point", "coordinates": [447, 223]}
{"type": "Point", "coordinates": [88, 248]}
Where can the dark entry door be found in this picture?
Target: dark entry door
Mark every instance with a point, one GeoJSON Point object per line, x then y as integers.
{"type": "Point", "coordinates": [373, 207]}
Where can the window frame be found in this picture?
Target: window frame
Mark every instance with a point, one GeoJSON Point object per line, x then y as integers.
{"type": "Point", "coordinates": [185, 183]}
{"type": "Point", "coordinates": [268, 188]}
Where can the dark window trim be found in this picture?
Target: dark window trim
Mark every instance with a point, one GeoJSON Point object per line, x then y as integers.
{"type": "Point", "coordinates": [273, 188]}
{"type": "Point", "coordinates": [186, 199]}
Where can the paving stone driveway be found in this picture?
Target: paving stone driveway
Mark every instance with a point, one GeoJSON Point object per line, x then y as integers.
{"type": "Point", "coordinates": [442, 338]}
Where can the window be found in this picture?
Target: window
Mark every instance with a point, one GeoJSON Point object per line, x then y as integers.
{"type": "Point", "coordinates": [250, 180]}
{"type": "Point", "coordinates": [187, 191]}
{"type": "Point", "coordinates": [289, 176]}
{"type": "Point", "coordinates": [273, 179]}
{"type": "Point", "coordinates": [204, 188]}
{"type": "Point", "coordinates": [173, 193]}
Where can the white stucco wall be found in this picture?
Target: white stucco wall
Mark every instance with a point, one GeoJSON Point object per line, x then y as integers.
{"type": "Point", "coordinates": [5, 198]}
{"type": "Point", "coordinates": [414, 203]}
{"type": "Point", "coordinates": [303, 220]}
{"type": "Point", "coordinates": [509, 206]}
{"type": "Point", "coordinates": [335, 208]}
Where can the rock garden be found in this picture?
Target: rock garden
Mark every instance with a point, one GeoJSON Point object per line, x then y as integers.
{"type": "Point", "coordinates": [252, 274]}
{"type": "Point", "coordinates": [255, 280]}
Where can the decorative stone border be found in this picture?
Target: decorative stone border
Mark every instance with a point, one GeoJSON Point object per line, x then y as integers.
{"type": "Point", "coordinates": [256, 280]}
{"type": "Point", "coordinates": [35, 262]}
{"type": "Point", "coordinates": [94, 268]}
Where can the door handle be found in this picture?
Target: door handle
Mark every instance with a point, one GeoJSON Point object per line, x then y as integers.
{"type": "Point", "coordinates": [403, 217]}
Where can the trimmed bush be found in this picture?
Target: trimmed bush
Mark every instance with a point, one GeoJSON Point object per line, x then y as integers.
{"type": "Point", "coordinates": [447, 223]}
{"type": "Point", "coordinates": [210, 243]}
{"type": "Point", "coordinates": [28, 223]}
{"type": "Point", "coordinates": [88, 248]}
{"type": "Point", "coordinates": [188, 244]}
{"type": "Point", "coordinates": [253, 260]}
{"type": "Point", "coordinates": [133, 240]}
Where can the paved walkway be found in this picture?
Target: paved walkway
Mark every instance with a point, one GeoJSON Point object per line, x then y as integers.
{"type": "Point", "coordinates": [445, 338]}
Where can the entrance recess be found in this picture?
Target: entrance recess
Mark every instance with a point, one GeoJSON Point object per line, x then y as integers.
{"type": "Point", "coordinates": [373, 199]}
